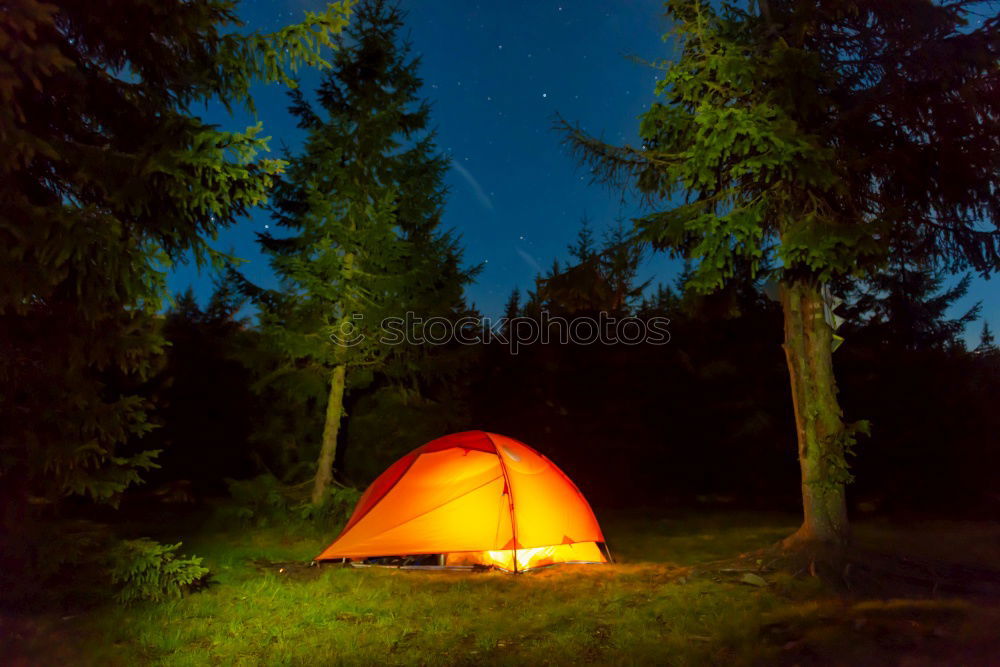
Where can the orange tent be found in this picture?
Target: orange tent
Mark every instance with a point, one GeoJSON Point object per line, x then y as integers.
{"type": "Point", "coordinates": [473, 498]}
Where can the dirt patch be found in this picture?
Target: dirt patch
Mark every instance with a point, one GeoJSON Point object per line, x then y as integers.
{"type": "Point", "coordinates": [31, 640]}
{"type": "Point", "coordinates": [917, 632]}
{"type": "Point", "coordinates": [291, 570]}
{"type": "Point", "coordinates": [861, 572]}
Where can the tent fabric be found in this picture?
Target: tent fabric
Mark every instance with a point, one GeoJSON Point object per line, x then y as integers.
{"type": "Point", "coordinates": [478, 498]}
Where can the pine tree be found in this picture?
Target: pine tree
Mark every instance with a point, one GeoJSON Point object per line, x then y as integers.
{"type": "Point", "coordinates": [660, 303]}
{"type": "Point", "coordinates": [620, 261]}
{"type": "Point", "coordinates": [106, 177]}
{"type": "Point", "coordinates": [601, 279]}
{"type": "Point", "coordinates": [785, 128]}
{"type": "Point", "coordinates": [361, 205]}
{"type": "Point", "coordinates": [200, 377]}
{"type": "Point", "coordinates": [906, 307]}
{"type": "Point", "coordinates": [987, 341]}
{"type": "Point", "coordinates": [512, 309]}
{"type": "Point", "coordinates": [583, 248]}
{"type": "Point", "coordinates": [437, 277]}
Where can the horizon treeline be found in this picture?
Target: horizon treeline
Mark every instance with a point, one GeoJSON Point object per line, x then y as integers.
{"type": "Point", "coordinates": [704, 420]}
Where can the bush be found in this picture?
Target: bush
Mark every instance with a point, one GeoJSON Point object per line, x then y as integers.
{"type": "Point", "coordinates": [263, 500]}
{"type": "Point", "coordinates": [257, 501]}
{"type": "Point", "coordinates": [75, 564]}
{"type": "Point", "coordinates": [335, 509]}
{"type": "Point", "coordinates": [148, 570]}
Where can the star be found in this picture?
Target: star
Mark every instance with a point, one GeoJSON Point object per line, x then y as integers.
{"type": "Point", "coordinates": [545, 94]}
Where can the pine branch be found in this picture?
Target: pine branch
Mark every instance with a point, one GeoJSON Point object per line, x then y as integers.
{"type": "Point", "coordinates": [616, 166]}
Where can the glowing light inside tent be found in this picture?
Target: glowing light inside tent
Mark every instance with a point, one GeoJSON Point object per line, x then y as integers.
{"type": "Point", "coordinates": [526, 558]}
{"type": "Point", "coordinates": [504, 559]}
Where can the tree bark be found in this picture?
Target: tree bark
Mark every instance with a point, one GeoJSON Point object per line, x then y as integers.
{"type": "Point", "coordinates": [331, 428]}
{"type": "Point", "coordinates": [335, 401]}
{"type": "Point", "coordinates": [818, 416]}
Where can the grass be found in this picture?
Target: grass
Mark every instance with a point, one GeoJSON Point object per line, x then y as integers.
{"type": "Point", "coordinates": [656, 606]}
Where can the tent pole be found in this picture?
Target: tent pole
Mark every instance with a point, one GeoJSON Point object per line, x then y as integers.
{"type": "Point", "coordinates": [510, 500]}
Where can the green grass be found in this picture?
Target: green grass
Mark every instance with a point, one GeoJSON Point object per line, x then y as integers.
{"type": "Point", "coordinates": [652, 607]}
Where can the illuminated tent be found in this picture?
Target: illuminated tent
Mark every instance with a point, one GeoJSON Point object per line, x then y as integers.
{"type": "Point", "coordinates": [473, 499]}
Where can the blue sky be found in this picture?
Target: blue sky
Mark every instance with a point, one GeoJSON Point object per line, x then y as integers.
{"type": "Point", "coordinates": [496, 74]}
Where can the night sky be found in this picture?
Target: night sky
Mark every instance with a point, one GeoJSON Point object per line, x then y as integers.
{"type": "Point", "coordinates": [496, 74]}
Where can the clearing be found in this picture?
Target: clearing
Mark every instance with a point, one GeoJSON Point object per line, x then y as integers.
{"type": "Point", "coordinates": [674, 597]}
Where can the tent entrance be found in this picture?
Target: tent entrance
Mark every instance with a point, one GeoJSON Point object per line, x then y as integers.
{"type": "Point", "coordinates": [517, 560]}
{"type": "Point", "coordinates": [507, 560]}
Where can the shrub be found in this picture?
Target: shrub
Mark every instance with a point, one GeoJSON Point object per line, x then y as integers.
{"type": "Point", "coordinates": [335, 509]}
{"type": "Point", "coordinates": [257, 501]}
{"type": "Point", "coordinates": [147, 570]}
{"type": "Point", "coordinates": [264, 500]}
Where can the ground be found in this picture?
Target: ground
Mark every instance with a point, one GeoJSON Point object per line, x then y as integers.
{"type": "Point", "coordinates": [676, 596]}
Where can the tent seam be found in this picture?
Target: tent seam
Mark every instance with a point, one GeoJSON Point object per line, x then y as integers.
{"type": "Point", "coordinates": [352, 524]}
{"type": "Point", "coordinates": [510, 495]}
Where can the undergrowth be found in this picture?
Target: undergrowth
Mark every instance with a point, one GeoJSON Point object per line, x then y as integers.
{"type": "Point", "coordinates": [264, 501]}
{"type": "Point", "coordinates": [142, 569]}
{"type": "Point", "coordinates": [660, 604]}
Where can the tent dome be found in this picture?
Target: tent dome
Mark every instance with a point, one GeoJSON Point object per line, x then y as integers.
{"type": "Point", "coordinates": [473, 498]}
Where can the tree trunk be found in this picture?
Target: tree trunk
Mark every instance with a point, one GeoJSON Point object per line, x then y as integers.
{"type": "Point", "coordinates": [335, 402]}
{"type": "Point", "coordinates": [818, 417]}
{"type": "Point", "coordinates": [328, 451]}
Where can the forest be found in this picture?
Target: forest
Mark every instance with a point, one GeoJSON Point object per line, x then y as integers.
{"type": "Point", "coordinates": [794, 461]}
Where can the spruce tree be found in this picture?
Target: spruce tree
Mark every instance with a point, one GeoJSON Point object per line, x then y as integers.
{"type": "Point", "coordinates": [583, 248]}
{"type": "Point", "coordinates": [987, 341]}
{"type": "Point", "coordinates": [620, 261]}
{"type": "Point", "coordinates": [905, 307]}
{"type": "Point", "coordinates": [360, 206]}
{"type": "Point", "coordinates": [512, 309]}
{"type": "Point", "coordinates": [825, 137]}
{"type": "Point", "coordinates": [601, 279]}
{"type": "Point", "coordinates": [107, 177]}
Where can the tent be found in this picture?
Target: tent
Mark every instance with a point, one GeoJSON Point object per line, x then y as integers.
{"type": "Point", "coordinates": [472, 499]}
